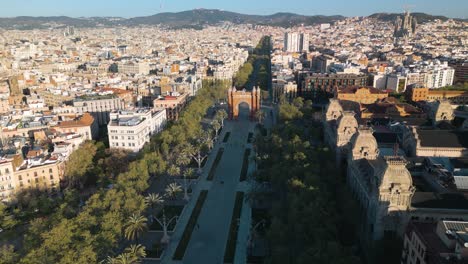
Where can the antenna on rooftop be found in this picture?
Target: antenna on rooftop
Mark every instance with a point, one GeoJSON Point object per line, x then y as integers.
{"type": "Point", "coordinates": [407, 8]}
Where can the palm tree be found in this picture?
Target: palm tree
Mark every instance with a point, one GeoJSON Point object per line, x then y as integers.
{"type": "Point", "coordinates": [136, 250]}
{"type": "Point", "coordinates": [126, 258]}
{"type": "Point", "coordinates": [208, 138]}
{"type": "Point", "coordinates": [173, 171]}
{"type": "Point", "coordinates": [220, 116]}
{"type": "Point", "coordinates": [154, 200]}
{"type": "Point", "coordinates": [216, 126]}
{"type": "Point", "coordinates": [173, 189]}
{"type": "Point", "coordinates": [181, 154]}
{"type": "Point", "coordinates": [187, 173]}
{"type": "Point", "coordinates": [109, 260]}
{"type": "Point", "coordinates": [197, 153]}
{"type": "Point", "coordinates": [260, 115]}
{"type": "Point", "coordinates": [135, 226]}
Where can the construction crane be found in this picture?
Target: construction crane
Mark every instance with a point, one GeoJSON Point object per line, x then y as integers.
{"type": "Point", "coordinates": [407, 8]}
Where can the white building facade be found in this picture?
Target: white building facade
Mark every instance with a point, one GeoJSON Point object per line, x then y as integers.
{"type": "Point", "coordinates": [130, 130]}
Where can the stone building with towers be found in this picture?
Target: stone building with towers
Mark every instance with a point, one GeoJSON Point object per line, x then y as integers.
{"type": "Point", "coordinates": [406, 27]}
{"type": "Point", "coordinates": [398, 173]}
{"type": "Point", "coordinates": [339, 126]}
{"type": "Point", "coordinates": [381, 185]}
{"type": "Point", "coordinates": [442, 111]}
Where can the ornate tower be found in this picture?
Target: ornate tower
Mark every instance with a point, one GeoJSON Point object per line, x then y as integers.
{"type": "Point", "coordinates": [347, 127]}
{"type": "Point", "coordinates": [333, 111]}
{"type": "Point", "coordinates": [443, 112]}
{"type": "Point", "coordinates": [394, 193]}
{"type": "Point", "coordinates": [364, 145]}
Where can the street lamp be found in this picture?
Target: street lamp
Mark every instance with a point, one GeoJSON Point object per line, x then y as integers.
{"type": "Point", "coordinates": [165, 239]}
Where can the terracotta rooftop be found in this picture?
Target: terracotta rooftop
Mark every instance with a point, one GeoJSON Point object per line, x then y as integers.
{"type": "Point", "coordinates": [86, 120]}
{"type": "Point", "coordinates": [354, 89]}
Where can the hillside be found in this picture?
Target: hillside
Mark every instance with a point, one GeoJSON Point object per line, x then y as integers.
{"type": "Point", "coordinates": [420, 17]}
{"type": "Point", "coordinates": [191, 18]}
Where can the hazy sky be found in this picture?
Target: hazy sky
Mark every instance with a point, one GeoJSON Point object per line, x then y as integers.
{"type": "Point", "coordinates": [131, 8]}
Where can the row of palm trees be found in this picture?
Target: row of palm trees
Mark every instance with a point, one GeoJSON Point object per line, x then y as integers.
{"type": "Point", "coordinates": [137, 224]}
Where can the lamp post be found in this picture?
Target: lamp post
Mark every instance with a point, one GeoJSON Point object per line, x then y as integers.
{"type": "Point", "coordinates": [165, 239]}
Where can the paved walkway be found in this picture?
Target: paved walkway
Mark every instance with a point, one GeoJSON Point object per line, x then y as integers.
{"type": "Point", "coordinates": [208, 242]}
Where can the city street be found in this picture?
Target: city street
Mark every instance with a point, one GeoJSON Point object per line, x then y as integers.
{"type": "Point", "coordinates": [208, 240]}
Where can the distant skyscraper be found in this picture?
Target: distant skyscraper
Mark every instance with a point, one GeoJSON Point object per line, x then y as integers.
{"type": "Point", "coordinates": [304, 42]}
{"type": "Point", "coordinates": [295, 42]}
{"type": "Point", "coordinates": [405, 27]}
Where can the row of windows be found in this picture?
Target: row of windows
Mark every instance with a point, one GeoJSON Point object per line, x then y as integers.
{"type": "Point", "coordinates": [2, 188]}
{"type": "Point", "coordinates": [5, 178]}
{"type": "Point", "coordinates": [123, 137]}
{"type": "Point", "coordinates": [20, 177]}
{"type": "Point", "coordinates": [7, 170]}
{"type": "Point", "coordinates": [116, 144]}
{"type": "Point", "coordinates": [52, 183]}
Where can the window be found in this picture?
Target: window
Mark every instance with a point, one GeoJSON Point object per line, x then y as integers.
{"type": "Point", "coordinates": [51, 177]}
{"type": "Point", "coordinates": [7, 170]}
{"type": "Point", "coordinates": [35, 174]}
{"type": "Point", "coordinates": [50, 170]}
{"type": "Point", "coordinates": [20, 177]}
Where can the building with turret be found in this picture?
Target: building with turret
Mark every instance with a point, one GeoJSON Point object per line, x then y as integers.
{"type": "Point", "coordinates": [406, 27]}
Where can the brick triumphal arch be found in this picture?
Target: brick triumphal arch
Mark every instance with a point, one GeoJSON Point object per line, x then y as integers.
{"type": "Point", "coordinates": [236, 97]}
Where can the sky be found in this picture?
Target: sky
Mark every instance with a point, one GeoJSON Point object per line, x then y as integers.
{"type": "Point", "coordinates": [133, 8]}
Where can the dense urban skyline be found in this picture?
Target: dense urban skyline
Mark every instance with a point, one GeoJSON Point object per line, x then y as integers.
{"type": "Point", "coordinates": [120, 8]}
{"type": "Point", "coordinates": [207, 136]}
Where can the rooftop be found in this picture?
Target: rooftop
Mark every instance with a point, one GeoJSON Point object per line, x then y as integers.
{"type": "Point", "coordinates": [443, 138]}
{"type": "Point", "coordinates": [127, 121]}
{"type": "Point", "coordinates": [92, 97]}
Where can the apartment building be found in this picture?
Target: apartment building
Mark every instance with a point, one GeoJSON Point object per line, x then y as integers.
{"type": "Point", "coordinates": [99, 106]}
{"type": "Point", "coordinates": [132, 129]}
{"type": "Point", "coordinates": [282, 87]}
{"type": "Point", "coordinates": [7, 180]}
{"type": "Point", "coordinates": [134, 67]}
{"type": "Point", "coordinates": [426, 94]}
{"type": "Point", "coordinates": [43, 172]}
{"type": "Point", "coordinates": [311, 83]}
{"type": "Point", "coordinates": [173, 104]}
{"type": "Point", "coordinates": [84, 125]}
{"type": "Point", "coordinates": [435, 243]}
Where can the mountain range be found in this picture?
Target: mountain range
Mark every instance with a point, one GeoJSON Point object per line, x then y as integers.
{"type": "Point", "coordinates": [193, 18]}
